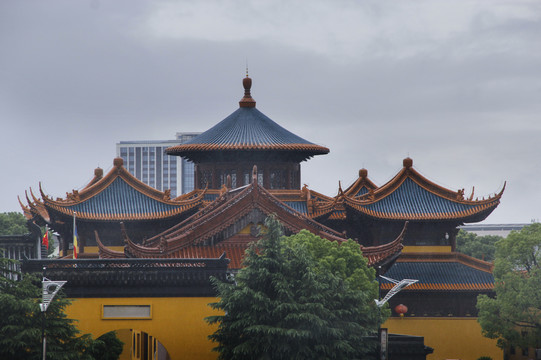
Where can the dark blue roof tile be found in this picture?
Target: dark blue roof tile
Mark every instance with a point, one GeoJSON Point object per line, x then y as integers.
{"type": "Point", "coordinates": [299, 206]}
{"type": "Point", "coordinates": [442, 273]}
{"type": "Point", "coordinates": [411, 199]}
{"type": "Point", "coordinates": [247, 126]}
{"type": "Point", "coordinates": [121, 198]}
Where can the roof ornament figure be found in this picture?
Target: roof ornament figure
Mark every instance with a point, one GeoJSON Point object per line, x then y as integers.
{"type": "Point", "coordinates": [254, 174]}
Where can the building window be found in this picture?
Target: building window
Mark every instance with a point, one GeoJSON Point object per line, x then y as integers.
{"type": "Point", "coordinates": [294, 179]}
{"type": "Point", "coordinates": [188, 179]}
{"type": "Point", "coordinates": [206, 179]}
{"type": "Point", "coordinates": [260, 178]}
{"type": "Point", "coordinates": [225, 173]}
{"type": "Point", "coordinates": [159, 168]}
{"type": "Point", "coordinates": [131, 160]}
{"type": "Point", "coordinates": [277, 179]}
{"type": "Point", "coordinates": [138, 162]}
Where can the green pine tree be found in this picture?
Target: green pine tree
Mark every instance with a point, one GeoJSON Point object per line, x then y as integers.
{"type": "Point", "coordinates": [21, 323]}
{"type": "Point", "coordinates": [295, 300]}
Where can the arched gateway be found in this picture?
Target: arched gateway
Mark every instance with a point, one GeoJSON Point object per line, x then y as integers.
{"type": "Point", "coordinates": [162, 302]}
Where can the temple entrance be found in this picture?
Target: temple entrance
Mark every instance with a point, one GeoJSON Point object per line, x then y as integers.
{"type": "Point", "coordinates": [150, 328]}
{"type": "Point", "coordinates": [138, 345]}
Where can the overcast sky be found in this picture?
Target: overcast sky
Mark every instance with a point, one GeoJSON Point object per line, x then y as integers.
{"type": "Point", "coordinates": [455, 85]}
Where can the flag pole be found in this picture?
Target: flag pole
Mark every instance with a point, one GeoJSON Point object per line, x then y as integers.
{"type": "Point", "coordinates": [43, 338]}
{"type": "Point", "coordinates": [74, 236]}
{"type": "Point", "coordinates": [45, 239]}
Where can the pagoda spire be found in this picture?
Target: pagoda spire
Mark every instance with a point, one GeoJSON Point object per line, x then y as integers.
{"type": "Point", "coordinates": [247, 101]}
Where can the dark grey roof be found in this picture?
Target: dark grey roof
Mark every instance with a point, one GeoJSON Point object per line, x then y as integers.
{"type": "Point", "coordinates": [247, 129]}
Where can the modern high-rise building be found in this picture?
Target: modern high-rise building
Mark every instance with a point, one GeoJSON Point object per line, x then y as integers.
{"type": "Point", "coordinates": [148, 162]}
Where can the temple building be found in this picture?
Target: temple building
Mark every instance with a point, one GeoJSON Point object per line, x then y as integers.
{"type": "Point", "coordinates": [247, 167]}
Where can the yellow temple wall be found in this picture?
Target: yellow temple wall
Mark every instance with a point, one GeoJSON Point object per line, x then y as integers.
{"type": "Point", "coordinates": [178, 323]}
{"type": "Point", "coordinates": [95, 249]}
{"type": "Point", "coordinates": [451, 338]}
{"type": "Point", "coordinates": [442, 249]}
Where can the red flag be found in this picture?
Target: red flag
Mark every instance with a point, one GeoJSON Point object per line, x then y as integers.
{"type": "Point", "coordinates": [46, 239]}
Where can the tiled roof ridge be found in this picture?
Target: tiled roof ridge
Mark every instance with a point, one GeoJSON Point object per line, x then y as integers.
{"type": "Point", "coordinates": [126, 216]}
{"type": "Point", "coordinates": [173, 231]}
{"type": "Point", "coordinates": [35, 208]}
{"type": "Point", "coordinates": [317, 195]}
{"type": "Point", "coordinates": [447, 257]}
{"type": "Point", "coordinates": [408, 171]}
{"type": "Point", "coordinates": [98, 175]}
{"type": "Point", "coordinates": [338, 215]}
{"type": "Point", "coordinates": [270, 193]}
{"type": "Point", "coordinates": [321, 227]}
{"type": "Point", "coordinates": [27, 210]}
{"type": "Point", "coordinates": [377, 254]}
{"type": "Point", "coordinates": [361, 181]}
{"type": "Point", "coordinates": [318, 149]}
{"type": "Point", "coordinates": [318, 205]}
{"type": "Point", "coordinates": [324, 210]}
{"type": "Point", "coordinates": [192, 194]}
{"type": "Point", "coordinates": [247, 201]}
{"type": "Point", "coordinates": [119, 172]}
{"type": "Point", "coordinates": [288, 194]}
{"type": "Point", "coordinates": [388, 246]}
{"type": "Point", "coordinates": [166, 238]}
{"type": "Point", "coordinates": [443, 286]}
{"type": "Point", "coordinates": [249, 196]}
{"type": "Point", "coordinates": [433, 216]}
{"type": "Point", "coordinates": [361, 202]}
{"type": "Point", "coordinates": [247, 129]}
{"type": "Point", "coordinates": [106, 253]}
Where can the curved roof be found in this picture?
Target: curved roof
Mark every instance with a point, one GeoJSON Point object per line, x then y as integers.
{"type": "Point", "coordinates": [441, 271]}
{"type": "Point", "coordinates": [411, 196]}
{"type": "Point", "coordinates": [121, 198]}
{"type": "Point", "coordinates": [247, 129]}
{"type": "Point", "coordinates": [118, 196]}
{"type": "Point", "coordinates": [363, 185]}
{"type": "Point", "coordinates": [230, 212]}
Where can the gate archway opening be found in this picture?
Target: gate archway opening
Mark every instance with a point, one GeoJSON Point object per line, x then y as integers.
{"type": "Point", "coordinates": [136, 345]}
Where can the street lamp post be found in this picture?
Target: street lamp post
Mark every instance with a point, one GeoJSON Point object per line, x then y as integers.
{"type": "Point", "coordinates": [399, 285]}
{"type": "Point", "coordinates": [49, 290]}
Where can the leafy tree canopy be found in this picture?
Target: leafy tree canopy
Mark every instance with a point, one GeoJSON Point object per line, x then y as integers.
{"type": "Point", "coordinates": [513, 316]}
{"type": "Point", "coordinates": [21, 321]}
{"type": "Point", "coordinates": [12, 223]}
{"type": "Point", "coordinates": [344, 260]}
{"type": "Point", "coordinates": [106, 347]}
{"type": "Point", "coordinates": [480, 247]}
{"type": "Point", "coordinates": [298, 298]}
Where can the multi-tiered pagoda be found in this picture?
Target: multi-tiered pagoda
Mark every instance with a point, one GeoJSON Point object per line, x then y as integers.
{"type": "Point", "coordinates": [247, 167]}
